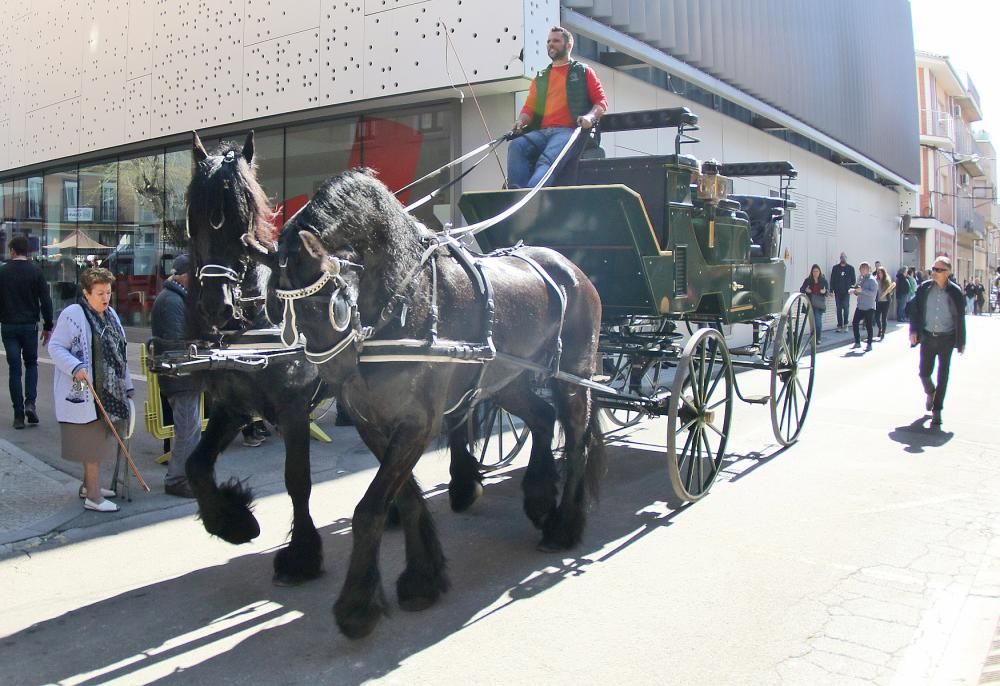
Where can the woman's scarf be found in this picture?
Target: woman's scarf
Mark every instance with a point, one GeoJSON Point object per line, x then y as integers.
{"type": "Point", "coordinates": [108, 353]}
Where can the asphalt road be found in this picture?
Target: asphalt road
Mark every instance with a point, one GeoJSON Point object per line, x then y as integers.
{"type": "Point", "coordinates": [867, 553]}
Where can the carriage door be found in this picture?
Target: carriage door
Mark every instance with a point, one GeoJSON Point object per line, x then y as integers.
{"type": "Point", "coordinates": [741, 289]}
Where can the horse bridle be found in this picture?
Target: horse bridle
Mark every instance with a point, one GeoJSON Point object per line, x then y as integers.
{"type": "Point", "coordinates": [234, 280]}
{"type": "Point", "coordinates": [289, 327]}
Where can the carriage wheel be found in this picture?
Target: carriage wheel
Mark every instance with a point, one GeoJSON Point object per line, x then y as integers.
{"type": "Point", "coordinates": [499, 437]}
{"type": "Point", "coordinates": [792, 368]}
{"type": "Point", "coordinates": [701, 405]}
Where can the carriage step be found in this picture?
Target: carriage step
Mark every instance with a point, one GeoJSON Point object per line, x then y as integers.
{"type": "Point", "coordinates": [745, 350]}
{"type": "Point", "coordinates": [756, 399]}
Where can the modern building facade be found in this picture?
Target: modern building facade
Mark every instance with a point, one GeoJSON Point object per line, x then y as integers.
{"type": "Point", "coordinates": [98, 99]}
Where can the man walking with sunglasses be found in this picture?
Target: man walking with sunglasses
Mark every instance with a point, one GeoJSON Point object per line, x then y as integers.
{"type": "Point", "coordinates": [938, 325]}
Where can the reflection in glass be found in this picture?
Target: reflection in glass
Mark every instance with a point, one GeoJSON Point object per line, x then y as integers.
{"type": "Point", "coordinates": [314, 152]}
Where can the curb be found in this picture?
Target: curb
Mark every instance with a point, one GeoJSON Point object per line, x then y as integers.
{"type": "Point", "coordinates": [46, 525]}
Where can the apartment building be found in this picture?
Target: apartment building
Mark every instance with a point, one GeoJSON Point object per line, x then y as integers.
{"type": "Point", "coordinates": [950, 219]}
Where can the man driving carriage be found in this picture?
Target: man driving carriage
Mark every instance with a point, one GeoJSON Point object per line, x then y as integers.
{"type": "Point", "coordinates": [564, 95]}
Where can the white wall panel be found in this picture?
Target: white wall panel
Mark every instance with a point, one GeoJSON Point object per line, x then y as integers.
{"type": "Point", "coordinates": [57, 39]}
{"type": "Point", "coordinates": [269, 19]}
{"type": "Point", "coordinates": [140, 69]}
{"type": "Point", "coordinates": [281, 75]}
{"type": "Point", "coordinates": [342, 40]}
{"type": "Point", "coordinates": [52, 131]}
{"type": "Point", "coordinates": [423, 46]}
{"type": "Point", "coordinates": [142, 16]}
{"type": "Point", "coordinates": [198, 73]}
{"type": "Point", "coordinates": [4, 143]}
{"type": "Point", "coordinates": [138, 96]}
{"type": "Point", "coordinates": [102, 90]}
{"type": "Point", "coordinates": [539, 17]}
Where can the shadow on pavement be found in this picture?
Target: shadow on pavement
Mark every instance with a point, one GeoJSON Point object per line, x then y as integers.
{"type": "Point", "coordinates": [228, 624]}
{"type": "Point", "coordinates": [916, 436]}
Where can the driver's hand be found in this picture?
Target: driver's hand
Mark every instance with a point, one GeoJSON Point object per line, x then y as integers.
{"type": "Point", "coordinates": [585, 121]}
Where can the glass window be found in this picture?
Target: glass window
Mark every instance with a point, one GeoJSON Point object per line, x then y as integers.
{"type": "Point", "coordinates": [313, 153]}
{"type": "Point", "coordinates": [6, 215]}
{"type": "Point", "coordinates": [60, 244]}
{"type": "Point", "coordinates": [34, 197]}
{"type": "Point", "coordinates": [405, 146]}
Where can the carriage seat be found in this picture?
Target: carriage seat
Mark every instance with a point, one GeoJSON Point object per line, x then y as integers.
{"type": "Point", "coordinates": [764, 214]}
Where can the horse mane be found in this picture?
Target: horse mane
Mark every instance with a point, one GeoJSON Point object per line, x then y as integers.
{"type": "Point", "coordinates": [355, 209]}
{"type": "Point", "coordinates": [208, 190]}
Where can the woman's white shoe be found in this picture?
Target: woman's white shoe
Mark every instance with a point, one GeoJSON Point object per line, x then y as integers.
{"type": "Point", "coordinates": [103, 506]}
{"type": "Point", "coordinates": [105, 493]}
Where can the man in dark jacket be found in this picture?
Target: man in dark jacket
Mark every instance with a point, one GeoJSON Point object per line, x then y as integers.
{"type": "Point", "coordinates": [168, 322]}
{"type": "Point", "coordinates": [24, 297]}
{"type": "Point", "coordinates": [938, 325]}
{"type": "Point", "coordinates": [842, 280]}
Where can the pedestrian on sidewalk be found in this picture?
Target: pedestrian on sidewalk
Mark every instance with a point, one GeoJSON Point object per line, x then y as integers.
{"type": "Point", "coordinates": [168, 324]}
{"type": "Point", "coordinates": [24, 297]}
{"type": "Point", "coordinates": [867, 291]}
{"type": "Point", "coordinates": [938, 325]}
{"type": "Point", "coordinates": [885, 289]}
{"type": "Point", "coordinates": [88, 343]}
{"type": "Point", "coordinates": [970, 297]}
{"type": "Point", "coordinates": [842, 279]}
{"type": "Point", "coordinates": [902, 294]}
{"type": "Point", "coordinates": [980, 297]}
{"type": "Point", "coordinates": [815, 287]}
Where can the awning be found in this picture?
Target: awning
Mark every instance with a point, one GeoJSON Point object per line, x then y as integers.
{"type": "Point", "coordinates": [79, 240]}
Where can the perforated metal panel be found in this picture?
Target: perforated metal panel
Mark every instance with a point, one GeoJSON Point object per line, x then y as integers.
{"type": "Point", "coordinates": [138, 95]}
{"type": "Point", "coordinates": [198, 69]}
{"type": "Point", "coordinates": [268, 19]}
{"type": "Point", "coordinates": [342, 26]}
{"type": "Point", "coordinates": [128, 70]}
{"type": "Point", "coordinates": [53, 131]}
{"type": "Point", "coordinates": [102, 99]}
{"type": "Point", "coordinates": [141, 34]}
{"type": "Point", "coordinates": [281, 75]}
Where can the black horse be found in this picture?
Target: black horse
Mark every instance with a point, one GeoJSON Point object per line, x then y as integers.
{"type": "Point", "coordinates": [232, 251]}
{"type": "Point", "coordinates": [226, 293]}
{"type": "Point", "coordinates": [353, 263]}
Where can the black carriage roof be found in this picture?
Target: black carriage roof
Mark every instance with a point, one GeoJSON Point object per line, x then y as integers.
{"type": "Point", "coordinates": [648, 119]}
{"type": "Point", "coordinates": [759, 169]}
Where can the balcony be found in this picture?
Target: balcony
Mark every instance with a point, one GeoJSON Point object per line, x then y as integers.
{"type": "Point", "coordinates": [969, 221]}
{"type": "Point", "coordinates": [937, 129]}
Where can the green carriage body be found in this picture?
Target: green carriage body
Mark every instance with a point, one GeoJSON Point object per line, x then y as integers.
{"type": "Point", "coordinates": [636, 227]}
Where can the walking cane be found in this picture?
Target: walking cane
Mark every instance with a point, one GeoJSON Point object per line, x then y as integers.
{"type": "Point", "coordinates": [121, 444]}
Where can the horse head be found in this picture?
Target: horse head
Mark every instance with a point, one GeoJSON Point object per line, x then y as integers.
{"type": "Point", "coordinates": [229, 226]}
{"type": "Point", "coordinates": [319, 289]}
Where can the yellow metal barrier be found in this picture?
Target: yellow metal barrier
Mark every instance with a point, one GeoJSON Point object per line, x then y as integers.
{"type": "Point", "coordinates": [153, 410]}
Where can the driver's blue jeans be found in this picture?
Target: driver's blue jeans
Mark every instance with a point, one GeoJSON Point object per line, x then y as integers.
{"type": "Point", "coordinates": [530, 155]}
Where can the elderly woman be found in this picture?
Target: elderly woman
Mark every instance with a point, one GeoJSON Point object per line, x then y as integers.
{"type": "Point", "coordinates": [88, 343]}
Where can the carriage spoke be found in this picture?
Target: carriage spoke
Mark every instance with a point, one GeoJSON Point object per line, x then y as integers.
{"type": "Point", "coordinates": [715, 383]}
{"type": "Point", "coordinates": [798, 382]}
{"type": "Point", "coordinates": [711, 426]}
{"type": "Point", "coordinates": [689, 451]}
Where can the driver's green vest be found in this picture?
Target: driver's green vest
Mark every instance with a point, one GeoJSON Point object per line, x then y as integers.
{"type": "Point", "coordinates": [577, 98]}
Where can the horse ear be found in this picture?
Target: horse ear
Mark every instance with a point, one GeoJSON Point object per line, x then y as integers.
{"type": "Point", "coordinates": [248, 148]}
{"type": "Point", "coordinates": [312, 245]}
{"type": "Point", "coordinates": [200, 154]}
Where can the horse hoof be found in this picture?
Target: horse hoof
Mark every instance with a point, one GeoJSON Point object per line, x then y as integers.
{"type": "Point", "coordinates": [463, 496]}
{"type": "Point", "coordinates": [416, 591]}
{"type": "Point", "coordinates": [293, 568]}
{"type": "Point", "coordinates": [356, 623]}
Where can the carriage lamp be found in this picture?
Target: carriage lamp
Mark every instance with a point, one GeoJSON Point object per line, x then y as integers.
{"type": "Point", "coordinates": [712, 188]}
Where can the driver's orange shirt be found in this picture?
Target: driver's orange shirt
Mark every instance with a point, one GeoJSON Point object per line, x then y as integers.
{"type": "Point", "coordinates": [556, 113]}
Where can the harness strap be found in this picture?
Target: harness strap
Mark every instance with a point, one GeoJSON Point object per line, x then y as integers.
{"type": "Point", "coordinates": [561, 294]}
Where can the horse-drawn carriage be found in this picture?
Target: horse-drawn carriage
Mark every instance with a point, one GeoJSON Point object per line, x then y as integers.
{"type": "Point", "coordinates": [664, 241]}
{"type": "Point", "coordinates": [412, 332]}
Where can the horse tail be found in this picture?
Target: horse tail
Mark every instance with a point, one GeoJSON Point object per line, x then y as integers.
{"type": "Point", "coordinates": [597, 458]}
